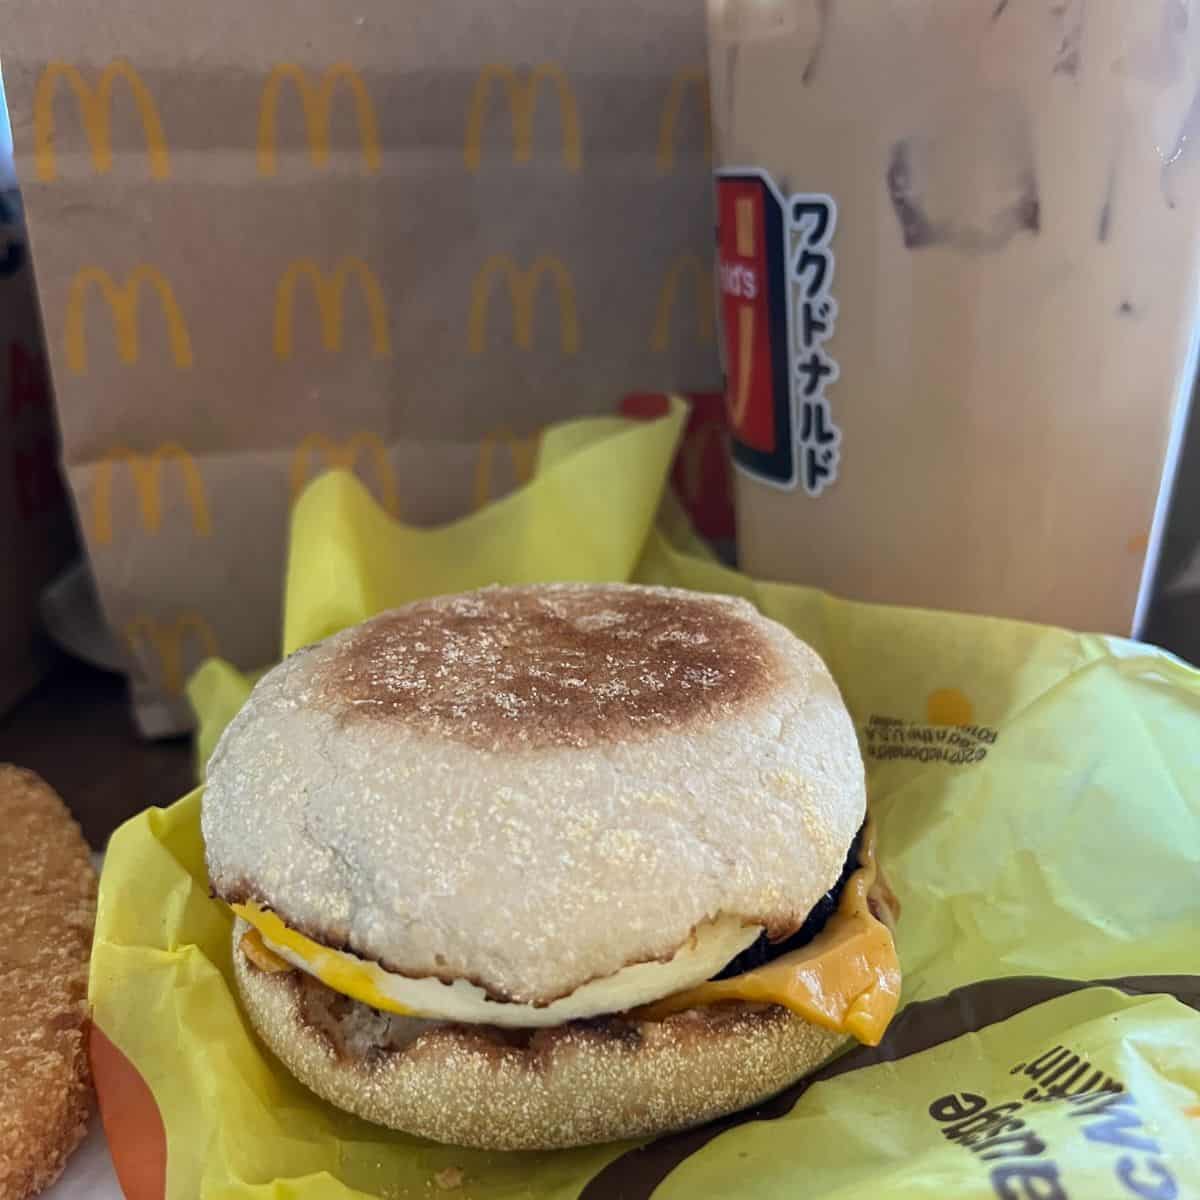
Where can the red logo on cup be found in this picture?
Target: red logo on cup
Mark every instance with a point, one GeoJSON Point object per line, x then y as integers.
{"type": "Point", "coordinates": [742, 279]}
{"type": "Point", "coordinates": [751, 278]}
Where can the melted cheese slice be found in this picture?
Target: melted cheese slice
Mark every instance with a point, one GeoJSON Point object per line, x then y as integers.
{"type": "Point", "coordinates": [709, 948]}
{"type": "Point", "coordinates": [846, 979]}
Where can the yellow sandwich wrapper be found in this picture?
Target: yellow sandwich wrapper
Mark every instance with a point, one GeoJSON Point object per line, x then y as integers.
{"type": "Point", "coordinates": [1038, 800]}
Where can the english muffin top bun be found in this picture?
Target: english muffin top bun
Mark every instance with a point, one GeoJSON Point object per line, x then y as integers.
{"type": "Point", "coordinates": [520, 818]}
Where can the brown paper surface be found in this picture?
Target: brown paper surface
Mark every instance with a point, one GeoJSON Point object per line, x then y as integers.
{"type": "Point", "coordinates": [35, 529]}
{"type": "Point", "coordinates": [402, 239]}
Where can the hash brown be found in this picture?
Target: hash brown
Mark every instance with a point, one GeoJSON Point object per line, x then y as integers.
{"type": "Point", "coordinates": [48, 888]}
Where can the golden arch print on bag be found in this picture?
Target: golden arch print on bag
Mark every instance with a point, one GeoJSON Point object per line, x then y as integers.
{"type": "Point", "coordinates": [146, 474]}
{"type": "Point", "coordinates": [521, 86]}
{"type": "Point", "coordinates": [329, 290]}
{"type": "Point", "coordinates": [319, 450]}
{"type": "Point", "coordinates": [522, 454]}
{"type": "Point", "coordinates": [122, 299]}
{"type": "Point", "coordinates": [693, 82]}
{"type": "Point", "coordinates": [523, 287]}
{"type": "Point", "coordinates": [164, 643]}
{"type": "Point", "coordinates": [316, 100]}
{"type": "Point", "coordinates": [345, 453]}
{"type": "Point", "coordinates": [95, 106]}
{"type": "Point", "coordinates": [688, 266]}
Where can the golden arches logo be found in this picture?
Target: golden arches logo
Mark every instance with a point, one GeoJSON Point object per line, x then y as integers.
{"type": "Point", "coordinates": [345, 454]}
{"type": "Point", "coordinates": [95, 110]}
{"type": "Point", "coordinates": [166, 640]}
{"type": "Point", "coordinates": [330, 293]}
{"type": "Point", "coordinates": [317, 101]}
{"type": "Point", "coordinates": [689, 80]}
{"type": "Point", "coordinates": [122, 299]}
{"type": "Point", "coordinates": [522, 452]}
{"type": "Point", "coordinates": [685, 264]}
{"type": "Point", "coordinates": [146, 471]}
{"type": "Point", "coordinates": [522, 290]}
{"type": "Point", "coordinates": [521, 87]}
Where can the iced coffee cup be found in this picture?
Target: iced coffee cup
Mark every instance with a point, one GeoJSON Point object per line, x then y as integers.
{"type": "Point", "coordinates": [958, 276]}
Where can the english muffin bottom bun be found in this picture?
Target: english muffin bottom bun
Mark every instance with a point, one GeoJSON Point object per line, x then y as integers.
{"type": "Point", "coordinates": [535, 867]}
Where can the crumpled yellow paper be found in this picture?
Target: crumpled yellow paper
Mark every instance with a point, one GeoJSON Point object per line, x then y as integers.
{"type": "Point", "coordinates": [1038, 796]}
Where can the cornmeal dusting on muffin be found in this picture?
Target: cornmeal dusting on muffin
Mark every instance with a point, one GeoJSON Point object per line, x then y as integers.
{"type": "Point", "coordinates": [568, 665]}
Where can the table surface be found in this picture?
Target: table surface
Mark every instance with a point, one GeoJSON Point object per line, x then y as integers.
{"type": "Point", "coordinates": [77, 733]}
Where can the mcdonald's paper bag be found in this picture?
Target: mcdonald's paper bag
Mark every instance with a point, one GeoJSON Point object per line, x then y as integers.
{"type": "Point", "coordinates": [1039, 811]}
{"type": "Point", "coordinates": [35, 527]}
{"type": "Point", "coordinates": [397, 238]}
